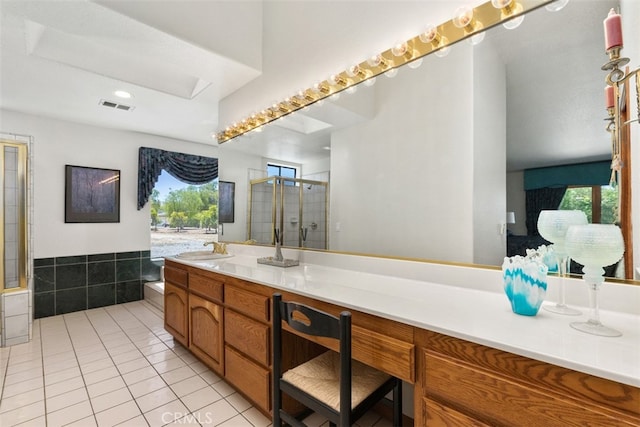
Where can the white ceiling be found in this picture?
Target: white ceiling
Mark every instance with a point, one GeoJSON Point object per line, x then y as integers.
{"type": "Point", "coordinates": [183, 60]}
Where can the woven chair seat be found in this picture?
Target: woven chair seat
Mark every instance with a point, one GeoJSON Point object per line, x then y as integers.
{"type": "Point", "coordinates": [320, 377]}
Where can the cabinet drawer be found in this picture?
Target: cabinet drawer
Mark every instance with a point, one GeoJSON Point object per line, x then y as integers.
{"type": "Point", "coordinates": [176, 276]}
{"type": "Point", "coordinates": [206, 287]}
{"type": "Point", "coordinates": [249, 336]}
{"type": "Point", "coordinates": [249, 303]}
{"type": "Point", "coordinates": [501, 401]}
{"type": "Point", "coordinates": [253, 380]}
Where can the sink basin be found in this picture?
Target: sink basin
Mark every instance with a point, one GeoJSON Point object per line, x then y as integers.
{"type": "Point", "coordinates": [201, 255]}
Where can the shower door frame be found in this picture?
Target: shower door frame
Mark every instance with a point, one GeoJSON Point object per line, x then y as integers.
{"type": "Point", "coordinates": [279, 180]}
{"type": "Point", "coordinates": [22, 241]}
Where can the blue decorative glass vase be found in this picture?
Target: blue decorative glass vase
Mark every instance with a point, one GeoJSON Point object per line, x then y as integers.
{"type": "Point", "coordinates": [525, 283]}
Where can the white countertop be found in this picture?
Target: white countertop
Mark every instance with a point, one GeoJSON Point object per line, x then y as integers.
{"type": "Point", "coordinates": [469, 313]}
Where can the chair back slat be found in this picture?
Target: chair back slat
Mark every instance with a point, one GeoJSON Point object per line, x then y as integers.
{"type": "Point", "coordinates": [319, 323]}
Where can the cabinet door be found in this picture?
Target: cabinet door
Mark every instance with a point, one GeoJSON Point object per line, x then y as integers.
{"type": "Point", "coordinates": [176, 319]}
{"type": "Point", "coordinates": [206, 332]}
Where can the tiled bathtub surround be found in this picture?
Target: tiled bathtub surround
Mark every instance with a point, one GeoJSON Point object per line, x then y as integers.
{"type": "Point", "coordinates": [74, 283]}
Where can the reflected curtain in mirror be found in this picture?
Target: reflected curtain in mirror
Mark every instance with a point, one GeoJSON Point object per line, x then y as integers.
{"type": "Point", "coordinates": [188, 168]}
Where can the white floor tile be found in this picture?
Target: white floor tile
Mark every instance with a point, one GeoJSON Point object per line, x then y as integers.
{"type": "Point", "coordinates": [256, 418]}
{"type": "Point", "coordinates": [21, 387]}
{"type": "Point", "coordinates": [117, 414]}
{"type": "Point", "coordinates": [22, 414]}
{"type": "Point", "coordinates": [22, 399]}
{"type": "Point", "coordinates": [23, 376]}
{"type": "Point", "coordinates": [68, 363]}
{"type": "Point", "coordinates": [89, 421]}
{"type": "Point", "coordinates": [146, 386]}
{"type": "Point", "coordinates": [169, 365]}
{"type": "Point", "coordinates": [138, 421]}
{"type": "Point", "coordinates": [155, 399]}
{"type": "Point", "coordinates": [109, 400]}
{"type": "Point", "coordinates": [63, 375]}
{"type": "Point", "coordinates": [66, 399]}
{"type": "Point", "coordinates": [69, 414]}
{"type": "Point", "coordinates": [161, 356]}
{"type": "Point", "coordinates": [106, 386]}
{"type": "Point", "coordinates": [238, 402]}
{"type": "Point", "coordinates": [200, 398]}
{"type": "Point", "coordinates": [178, 375]}
{"type": "Point", "coordinates": [36, 422]}
{"type": "Point", "coordinates": [126, 357]}
{"type": "Point", "coordinates": [167, 413]}
{"type": "Point", "coordinates": [223, 388]}
{"type": "Point", "coordinates": [96, 365]}
{"type": "Point", "coordinates": [237, 421]}
{"type": "Point", "coordinates": [100, 375]}
{"type": "Point", "coordinates": [189, 385]}
{"type": "Point", "coordinates": [139, 375]}
{"type": "Point", "coordinates": [64, 386]}
{"type": "Point", "coordinates": [216, 413]}
{"type": "Point", "coordinates": [210, 377]}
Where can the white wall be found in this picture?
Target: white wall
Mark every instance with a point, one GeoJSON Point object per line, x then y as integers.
{"type": "Point", "coordinates": [403, 183]}
{"type": "Point", "coordinates": [490, 156]}
{"type": "Point", "coordinates": [57, 143]}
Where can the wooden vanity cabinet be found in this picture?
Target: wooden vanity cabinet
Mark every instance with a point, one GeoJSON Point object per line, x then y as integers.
{"type": "Point", "coordinates": [206, 334]}
{"type": "Point", "coordinates": [247, 339]}
{"type": "Point", "coordinates": [176, 311]}
{"type": "Point", "coordinates": [462, 383]}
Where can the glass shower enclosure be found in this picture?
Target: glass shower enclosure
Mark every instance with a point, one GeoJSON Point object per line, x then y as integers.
{"type": "Point", "coordinates": [298, 207]}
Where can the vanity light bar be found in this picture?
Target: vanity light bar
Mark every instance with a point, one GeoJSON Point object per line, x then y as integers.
{"type": "Point", "coordinates": [484, 17]}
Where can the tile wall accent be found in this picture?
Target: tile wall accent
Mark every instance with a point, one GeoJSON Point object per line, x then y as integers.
{"type": "Point", "coordinates": [74, 283]}
{"type": "Point", "coordinates": [15, 312]}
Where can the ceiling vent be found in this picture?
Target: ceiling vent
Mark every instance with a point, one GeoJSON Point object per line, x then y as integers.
{"type": "Point", "coordinates": [115, 105]}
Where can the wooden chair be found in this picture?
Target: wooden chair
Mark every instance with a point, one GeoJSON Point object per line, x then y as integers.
{"type": "Point", "coordinates": [331, 384]}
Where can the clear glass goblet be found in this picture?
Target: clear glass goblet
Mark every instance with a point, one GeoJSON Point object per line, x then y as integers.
{"type": "Point", "coordinates": [595, 246]}
{"type": "Point", "coordinates": [553, 226]}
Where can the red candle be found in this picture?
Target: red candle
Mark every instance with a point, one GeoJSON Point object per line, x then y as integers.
{"type": "Point", "coordinates": [609, 96]}
{"type": "Point", "coordinates": [612, 30]}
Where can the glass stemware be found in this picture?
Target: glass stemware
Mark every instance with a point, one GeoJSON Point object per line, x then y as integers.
{"type": "Point", "coordinates": [595, 246]}
{"type": "Point", "coordinates": [553, 226]}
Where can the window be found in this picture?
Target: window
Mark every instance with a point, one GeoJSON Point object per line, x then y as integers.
{"type": "Point", "coordinates": [183, 216]}
{"type": "Point", "coordinates": [279, 170]}
{"type": "Point", "coordinates": [600, 204]}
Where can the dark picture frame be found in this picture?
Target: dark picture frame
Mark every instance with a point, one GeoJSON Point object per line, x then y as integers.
{"type": "Point", "coordinates": [226, 201]}
{"type": "Point", "coordinates": [91, 194]}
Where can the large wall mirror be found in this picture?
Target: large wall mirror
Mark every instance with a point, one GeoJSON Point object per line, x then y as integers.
{"type": "Point", "coordinates": [427, 163]}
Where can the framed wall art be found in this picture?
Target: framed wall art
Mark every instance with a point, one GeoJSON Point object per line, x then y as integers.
{"type": "Point", "coordinates": [226, 201]}
{"type": "Point", "coordinates": [91, 194]}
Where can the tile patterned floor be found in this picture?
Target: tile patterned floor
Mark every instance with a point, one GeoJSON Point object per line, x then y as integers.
{"type": "Point", "coordinates": [118, 366]}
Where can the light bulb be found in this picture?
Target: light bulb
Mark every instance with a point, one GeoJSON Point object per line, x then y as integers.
{"type": "Point", "coordinates": [378, 61]}
{"type": "Point", "coordinates": [399, 49]}
{"type": "Point", "coordinates": [415, 64]}
{"type": "Point", "coordinates": [442, 52]}
{"type": "Point", "coordinates": [477, 38]}
{"type": "Point", "coordinates": [335, 97]}
{"type": "Point", "coordinates": [356, 71]}
{"type": "Point", "coordinates": [556, 5]}
{"type": "Point", "coordinates": [351, 89]}
{"type": "Point", "coordinates": [370, 81]}
{"type": "Point", "coordinates": [509, 8]}
{"type": "Point", "coordinates": [429, 35]}
{"type": "Point", "coordinates": [391, 73]}
{"type": "Point", "coordinates": [513, 23]}
{"type": "Point", "coordinates": [463, 17]}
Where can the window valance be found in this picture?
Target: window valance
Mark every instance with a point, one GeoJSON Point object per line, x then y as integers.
{"type": "Point", "coordinates": [593, 173]}
{"type": "Point", "coordinates": [187, 168]}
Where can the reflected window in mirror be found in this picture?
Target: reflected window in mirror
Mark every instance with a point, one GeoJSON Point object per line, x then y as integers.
{"type": "Point", "coordinates": [282, 170]}
{"type": "Point", "coordinates": [599, 203]}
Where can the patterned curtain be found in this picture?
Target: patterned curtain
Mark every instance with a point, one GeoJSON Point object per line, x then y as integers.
{"type": "Point", "coordinates": [541, 199]}
{"type": "Point", "coordinates": [187, 168]}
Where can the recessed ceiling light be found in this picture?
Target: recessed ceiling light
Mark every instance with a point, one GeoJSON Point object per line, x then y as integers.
{"type": "Point", "coordinates": [122, 94]}
{"type": "Point", "coordinates": [326, 147]}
